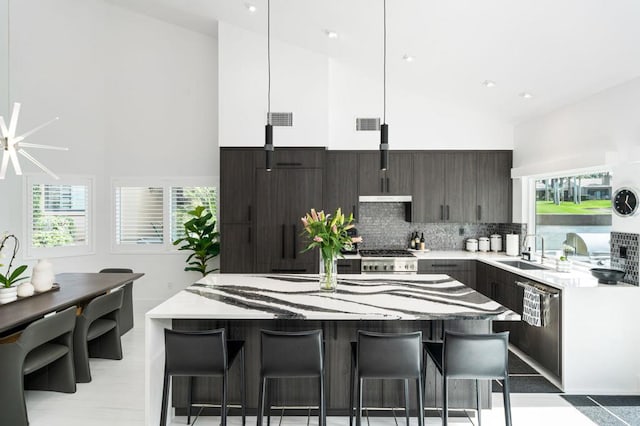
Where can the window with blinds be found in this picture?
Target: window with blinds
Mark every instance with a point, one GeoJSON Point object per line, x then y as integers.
{"type": "Point", "coordinates": [139, 215]}
{"type": "Point", "coordinates": [186, 198]}
{"type": "Point", "coordinates": [59, 215]}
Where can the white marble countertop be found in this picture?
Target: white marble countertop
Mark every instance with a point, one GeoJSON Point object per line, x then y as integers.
{"type": "Point", "coordinates": [359, 297]}
{"type": "Point", "coordinates": [578, 277]}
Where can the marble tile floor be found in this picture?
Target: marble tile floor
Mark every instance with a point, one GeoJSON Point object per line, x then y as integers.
{"type": "Point", "coordinates": [115, 397]}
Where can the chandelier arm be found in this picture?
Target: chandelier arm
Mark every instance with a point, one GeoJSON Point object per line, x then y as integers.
{"type": "Point", "coordinates": [4, 132]}
{"type": "Point", "coordinates": [13, 123]}
{"type": "Point", "coordinates": [38, 146]}
{"type": "Point", "coordinates": [37, 163]}
{"type": "Point", "coordinates": [15, 162]}
{"type": "Point", "coordinates": [32, 131]}
{"type": "Point", "coordinates": [5, 164]}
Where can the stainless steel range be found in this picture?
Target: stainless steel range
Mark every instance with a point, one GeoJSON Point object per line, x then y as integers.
{"type": "Point", "coordinates": [388, 261]}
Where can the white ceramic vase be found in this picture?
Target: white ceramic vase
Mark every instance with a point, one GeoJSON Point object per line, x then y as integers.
{"type": "Point", "coordinates": [25, 290]}
{"type": "Point", "coordinates": [8, 294]}
{"type": "Point", "coordinates": [42, 276]}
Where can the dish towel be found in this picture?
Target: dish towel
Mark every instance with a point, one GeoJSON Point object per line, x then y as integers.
{"type": "Point", "coordinates": [532, 307]}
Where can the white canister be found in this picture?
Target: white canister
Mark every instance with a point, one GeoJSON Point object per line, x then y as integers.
{"type": "Point", "coordinates": [513, 241]}
{"type": "Point", "coordinates": [472, 244]}
{"type": "Point", "coordinates": [25, 290]}
{"type": "Point", "coordinates": [496, 242]}
{"type": "Point", "coordinates": [42, 276]}
{"type": "Point", "coordinates": [483, 244]}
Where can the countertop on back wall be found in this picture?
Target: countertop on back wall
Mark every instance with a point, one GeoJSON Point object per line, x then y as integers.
{"type": "Point", "coordinates": [578, 277]}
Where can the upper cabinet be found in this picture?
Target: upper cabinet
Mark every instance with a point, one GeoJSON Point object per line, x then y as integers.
{"type": "Point", "coordinates": [494, 187]}
{"type": "Point", "coordinates": [237, 176]}
{"type": "Point", "coordinates": [396, 180]}
{"type": "Point", "coordinates": [444, 186]}
{"type": "Point", "coordinates": [341, 182]}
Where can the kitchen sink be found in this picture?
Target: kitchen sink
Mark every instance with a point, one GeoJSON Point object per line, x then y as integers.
{"type": "Point", "coordinates": [520, 264]}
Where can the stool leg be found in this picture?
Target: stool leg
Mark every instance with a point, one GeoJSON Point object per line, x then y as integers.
{"type": "Point", "coordinates": [507, 400]}
{"type": "Point", "coordinates": [420, 401]}
{"type": "Point", "coordinates": [321, 417]}
{"type": "Point", "coordinates": [267, 398]}
{"type": "Point", "coordinates": [223, 406]}
{"type": "Point", "coordinates": [359, 405]}
{"type": "Point", "coordinates": [406, 399]}
{"type": "Point", "coordinates": [261, 400]}
{"type": "Point", "coordinates": [445, 402]}
{"type": "Point", "coordinates": [478, 403]}
{"type": "Point", "coordinates": [352, 401]}
{"type": "Point", "coordinates": [165, 397]}
{"type": "Point", "coordinates": [243, 388]}
{"type": "Point", "coordinates": [189, 395]}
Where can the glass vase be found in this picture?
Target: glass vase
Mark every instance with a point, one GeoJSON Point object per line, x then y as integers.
{"type": "Point", "coordinates": [328, 273]}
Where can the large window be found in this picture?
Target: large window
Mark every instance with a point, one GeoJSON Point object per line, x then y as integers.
{"type": "Point", "coordinates": [60, 216]}
{"type": "Point", "coordinates": [150, 217]}
{"type": "Point", "coordinates": [573, 215]}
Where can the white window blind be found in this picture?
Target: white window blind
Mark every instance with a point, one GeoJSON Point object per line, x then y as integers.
{"type": "Point", "coordinates": [139, 215]}
{"type": "Point", "coordinates": [186, 198]}
{"type": "Point", "coordinates": [59, 215]}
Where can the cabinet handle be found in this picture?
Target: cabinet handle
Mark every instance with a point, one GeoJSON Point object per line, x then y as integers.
{"type": "Point", "coordinates": [447, 212]}
{"type": "Point", "coordinates": [353, 210]}
{"type": "Point", "coordinates": [479, 212]}
{"type": "Point", "coordinates": [249, 213]}
{"type": "Point", "coordinates": [388, 185]}
{"type": "Point", "coordinates": [249, 235]}
{"type": "Point", "coordinates": [288, 164]}
{"type": "Point", "coordinates": [290, 270]}
{"type": "Point", "coordinates": [444, 265]}
{"type": "Point", "coordinates": [381, 184]}
{"type": "Point", "coordinates": [294, 241]}
{"type": "Point", "coordinates": [441, 212]}
{"type": "Point", "coordinates": [283, 231]}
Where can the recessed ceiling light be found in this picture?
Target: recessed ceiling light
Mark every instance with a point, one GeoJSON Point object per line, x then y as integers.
{"type": "Point", "coordinates": [331, 34]}
{"type": "Point", "coordinates": [525, 95]}
{"type": "Point", "coordinates": [408, 58]}
{"type": "Point", "coordinates": [489, 83]}
{"type": "Point", "coordinates": [251, 7]}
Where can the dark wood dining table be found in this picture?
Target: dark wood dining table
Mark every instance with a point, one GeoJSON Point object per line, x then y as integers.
{"type": "Point", "coordinates": [76, 288]}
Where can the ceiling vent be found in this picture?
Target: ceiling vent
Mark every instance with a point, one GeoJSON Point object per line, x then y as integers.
{"type": "Point", "coordinates": [367, 124]}
{"type": "Point", "coordinates": [280, 119]}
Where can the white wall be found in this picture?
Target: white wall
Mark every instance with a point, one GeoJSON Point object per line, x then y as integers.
{"type": "Point", "coordinates": [600, 131]}
{"type": "Point", "coordinates": [299, 84]}
{"type": "Point", "coordinates": [135, 97]}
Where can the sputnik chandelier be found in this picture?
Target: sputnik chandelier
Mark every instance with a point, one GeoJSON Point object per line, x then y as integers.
{"type": "Point", "coordinates": [13, 145]}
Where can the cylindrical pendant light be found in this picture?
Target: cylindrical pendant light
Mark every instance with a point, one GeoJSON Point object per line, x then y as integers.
{"type": "Point", "coordinates": [268, 129]}
{"type": "Point", "coordinates": [384, 128]}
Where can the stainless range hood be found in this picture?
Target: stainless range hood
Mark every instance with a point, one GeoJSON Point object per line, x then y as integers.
{"type": "Point", "coordinates": [385, 198]}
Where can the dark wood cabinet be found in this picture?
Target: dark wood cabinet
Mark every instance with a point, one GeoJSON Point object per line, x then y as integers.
{"type": "Point", "coordinates": [283, 196]}
{"type": "Point", "coordinates": [236, 248]}
{"type": "Point", "coordinates": [444, 186]}
{"type": "Point", "coordinates": [349, 266]}
{"type": "Point", "coordinates": [396, 180]}
{"type": "Point", "coordinates": [341, 182]}
{"type": "Point", "coordinates": [494, 187]}
{"type": "Point", "coordinates": [237, 176]}
{"type": "Point", "coordinates": [463, 271]}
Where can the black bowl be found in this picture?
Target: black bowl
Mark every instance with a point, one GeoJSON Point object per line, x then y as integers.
{"type": "Point", "coordinates": [607, 276]}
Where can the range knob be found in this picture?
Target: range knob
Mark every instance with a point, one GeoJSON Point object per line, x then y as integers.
{"type": "Point", "coordinates": [375, 267]}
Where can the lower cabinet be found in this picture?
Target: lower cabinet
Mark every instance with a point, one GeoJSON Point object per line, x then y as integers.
{"type": "Point", "coordinates": [543, 344]}
{"type": "Point", "coordinates": [349, 266]}
{"type": "Point", "coordinates": [236, 248]}
{"type": "Point", "coordinates": [460, 270]}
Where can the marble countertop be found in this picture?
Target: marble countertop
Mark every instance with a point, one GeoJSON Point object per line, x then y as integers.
{"type": "Point", "coordinates": [359, 297]}
{"type": "Point", "coordinates": [578, 277]}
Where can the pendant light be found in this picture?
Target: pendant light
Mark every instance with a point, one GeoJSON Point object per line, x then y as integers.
{"type": "Point", "coordinates": [384, 128]}
{"type": "Point", "coordinates": [268, 129]}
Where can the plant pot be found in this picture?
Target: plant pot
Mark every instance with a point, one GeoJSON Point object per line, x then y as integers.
{"type": "Point", "coordinates": [328, 274]}
{"type": "Point", "coordinates": [8, 294]}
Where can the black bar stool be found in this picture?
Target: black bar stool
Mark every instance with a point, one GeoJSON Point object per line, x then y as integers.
{"type": "Point", "coordinates": [201, 353]}
{"type": "Point", "coordinates": [287, 355]}
{"type": "Point", "coordinates": [472, 356]}
{"type": "Point", "coordinates": [386, 356]}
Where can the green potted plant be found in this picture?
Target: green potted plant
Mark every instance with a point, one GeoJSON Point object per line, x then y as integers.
{"type": "Point", "coordinates": [201, 238]}
{"type": "Point", "coordinates": [9, 292]}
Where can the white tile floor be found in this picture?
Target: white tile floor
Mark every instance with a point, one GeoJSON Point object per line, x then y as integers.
{"type": "Point", "coordinates": [116, 397]}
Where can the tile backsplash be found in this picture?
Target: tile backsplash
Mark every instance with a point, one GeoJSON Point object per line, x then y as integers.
{"type": "Point", "coordinates": [630, 264]}
{"type": "Point", "coordinates": [382, 225]}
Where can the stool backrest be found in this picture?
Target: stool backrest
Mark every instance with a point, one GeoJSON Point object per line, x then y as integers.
{"type": "Point", "coordinates": [195, 353]}
{"type": "Point", "coordinates": [384, 355]}
{"type": "Point", "coordinates": [103, 305]}
{"type": "Point", "coordinates": [48, 328]}
{"type": "Point", "coordinates": [289, 354]}
{"type": "Point", "coordinates": [476, 356]}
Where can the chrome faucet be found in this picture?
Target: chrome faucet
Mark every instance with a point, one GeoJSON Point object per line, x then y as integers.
{"type": "Point", "coordinates": [526, 255]}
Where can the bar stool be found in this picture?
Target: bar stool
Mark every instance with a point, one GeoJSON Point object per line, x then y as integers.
{"type": "Point", "coordinates": [288, 355]}
{"type": "Point", "coordinates": [472, 356]}
{"type": "Point", "coordinates": [386, 356]}
{"type": "Point", "coordinates": [201, 353]}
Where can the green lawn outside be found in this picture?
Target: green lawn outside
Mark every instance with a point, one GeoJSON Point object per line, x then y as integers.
{"type": "Point", "coordinates": [590, 207]}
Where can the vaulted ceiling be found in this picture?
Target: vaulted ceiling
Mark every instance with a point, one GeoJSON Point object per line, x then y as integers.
{"type": "Point", "coordinates": [559, 51]}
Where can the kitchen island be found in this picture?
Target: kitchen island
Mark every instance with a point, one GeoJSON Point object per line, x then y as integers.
{"type": "Point", "coordinates": [245, 304]}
